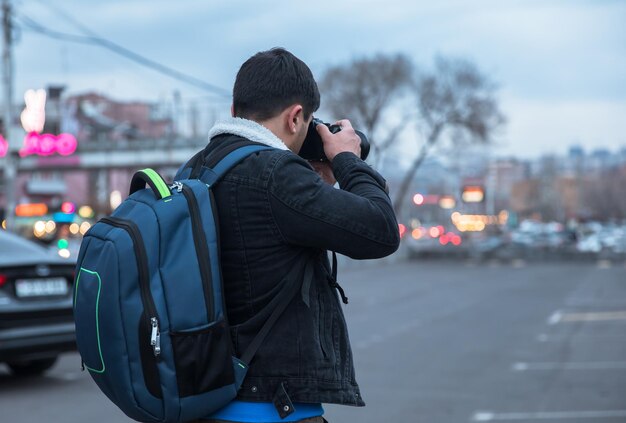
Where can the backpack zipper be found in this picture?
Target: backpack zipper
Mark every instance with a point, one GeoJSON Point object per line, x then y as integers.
{"type": "Point", "coordinates": [144, 279]}
{"type": "Point", "coordinates": [202, 249]}
{"type": "Point", "coordinates": [178, 186]}
{"type": "Point", "coordinates": [155, 336]}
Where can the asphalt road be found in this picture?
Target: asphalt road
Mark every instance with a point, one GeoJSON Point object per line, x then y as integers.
{"type": "Point", "coordinates": [439, 342]}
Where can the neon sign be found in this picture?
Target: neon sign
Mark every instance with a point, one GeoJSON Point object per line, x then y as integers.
{"type": "Point", "coordinates": [4, 146]}
{"type": "Point", "coordinates": [48, 144]}
{"type": "Point", "coordinates": [33, 118]}
{"type": "Point", "coordinates": [31, 210]}
{"type": "Point", "coordinates": [34, 115]}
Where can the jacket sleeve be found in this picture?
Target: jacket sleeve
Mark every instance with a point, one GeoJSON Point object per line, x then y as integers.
{"type": "Point", "coordinates": [357, 220]}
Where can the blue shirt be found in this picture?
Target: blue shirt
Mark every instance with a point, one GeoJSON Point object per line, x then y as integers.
{"type": "Point", "coordinates": [264, 412]}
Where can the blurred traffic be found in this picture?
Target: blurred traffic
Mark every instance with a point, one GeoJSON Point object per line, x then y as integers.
{"type": "Point", "coordinates": [59, 231]}
{"type": "Point", "coordinates": [530, 240]}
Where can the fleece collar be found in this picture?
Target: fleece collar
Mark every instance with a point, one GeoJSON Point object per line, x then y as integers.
{"type": "Point", "coordinates": [248, 129]}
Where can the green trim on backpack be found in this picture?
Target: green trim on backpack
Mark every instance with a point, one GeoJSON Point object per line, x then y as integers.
{"type": "Point", "coordinates": [82, 269]}
{"type": "Point", "coordinates": [160, 184]}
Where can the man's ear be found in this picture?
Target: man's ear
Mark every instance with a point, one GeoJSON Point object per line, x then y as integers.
{"type": "Point", "coordinates": [295, 117]}
{"type": "Point", "coordinates": [232, 110]}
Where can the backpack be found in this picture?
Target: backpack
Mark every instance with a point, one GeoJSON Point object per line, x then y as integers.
{"type": "Point", "coordinates": [151, 323]}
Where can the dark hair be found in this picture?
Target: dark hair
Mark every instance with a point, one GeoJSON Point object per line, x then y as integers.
{"type": "Point", "coordinates": [271, 81]}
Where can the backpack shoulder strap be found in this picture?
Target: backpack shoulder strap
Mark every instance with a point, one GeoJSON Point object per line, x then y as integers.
{"type": "Point", "coordinates": [210, 156]}
{"type": "Point", "coordinates": [283, 300]}
{"type": "Point", "coordinates": [212, 162]}
{"type": "Point", "coordinates": [210, 175]}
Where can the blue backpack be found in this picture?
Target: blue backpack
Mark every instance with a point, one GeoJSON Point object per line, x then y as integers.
{"type": "Point", "coordinates": [151, 324]}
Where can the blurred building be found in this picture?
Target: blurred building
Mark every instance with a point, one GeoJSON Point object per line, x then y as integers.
{"type": "Point", "coordinates": [96, 118]}
{"type": "Point", "coordinates": [503, 175]}
{"type": "Point", "coordinates": [601, 159]}
{"type": "Point", "coordinates": [114, 140]}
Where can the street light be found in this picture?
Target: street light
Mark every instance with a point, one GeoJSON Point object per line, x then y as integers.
{"type": "Point", "coordinates": [473, 194]}
{"type": "Point", "coordinates": [447, 202]}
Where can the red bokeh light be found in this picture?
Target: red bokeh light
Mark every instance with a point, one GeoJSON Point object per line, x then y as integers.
{"type": "Point", "coordinates": [68, 207]}
{"type": "Point", "coordinates": [402, 229]}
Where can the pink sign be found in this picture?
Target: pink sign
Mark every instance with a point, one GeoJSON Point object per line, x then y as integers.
{"type": "Point", "coordinates": [48, 144]}
{"type": "Point", "coordinates": [4, 146]}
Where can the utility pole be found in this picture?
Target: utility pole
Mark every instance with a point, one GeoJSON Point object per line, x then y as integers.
{"type": "Point", "coordinates": [491, 189]}
{"type": "Point", "coordinates": [10, 168]}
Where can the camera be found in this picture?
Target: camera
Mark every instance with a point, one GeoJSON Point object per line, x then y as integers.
{"type": "Point", "coordinates": [313, 149]}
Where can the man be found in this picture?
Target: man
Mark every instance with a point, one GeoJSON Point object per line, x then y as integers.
{"type": "Point", "coordinates": [276, 212]}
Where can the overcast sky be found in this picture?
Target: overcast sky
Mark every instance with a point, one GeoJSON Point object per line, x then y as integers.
{"type": "Point", "coordinates": [560, 65]}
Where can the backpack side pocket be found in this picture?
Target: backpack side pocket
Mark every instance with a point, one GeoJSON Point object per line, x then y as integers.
{"type": "Point", "coordinates": [203, 359]}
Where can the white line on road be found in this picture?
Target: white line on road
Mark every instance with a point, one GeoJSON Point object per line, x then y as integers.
{"type": "Point", "coordinates": [518, 263]}
{"type": "Point", "coordinates": [555, 317]}
{"type": "Point", "coordinates": [599, 316]}
{"type": "Point", "coordinates": [593, 317]}
{"type": "Point", "coordinates": [597, 365]}
{"type": "Point", "coordinates": [488, 416]}
{"type": "Point", "coordinates": [544, 337]}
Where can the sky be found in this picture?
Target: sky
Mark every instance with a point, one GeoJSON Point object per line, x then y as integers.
{"type": "Point", "coordinates": [560, 65]}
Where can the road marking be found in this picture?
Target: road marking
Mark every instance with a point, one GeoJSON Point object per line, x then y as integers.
{"type": "Point", "coordinates": [598, 365]}
{"type": "Point", "coordinates": [488, 416]}
{"type": "Point", "coordinates": [602, 316]}
{"type": "Point", "coordinates": [518, 263]}
{"type": "Point", "coordinates": [555, 317]}
{"type": "Point", "coordinates": [544, 337]}
{"type": "Point", "coordinates": [604, 264]}
{"type": "Point", "coordinates": [593, 317]}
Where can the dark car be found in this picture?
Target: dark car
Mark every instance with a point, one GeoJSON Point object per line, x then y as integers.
{"type": "Point", "coordinates": [36, 321]}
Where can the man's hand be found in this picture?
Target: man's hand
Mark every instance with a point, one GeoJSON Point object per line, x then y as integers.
{"type": "Point", "coordinates": [345, 140]}
{"type": "Point", "coordinates": [325, 170]}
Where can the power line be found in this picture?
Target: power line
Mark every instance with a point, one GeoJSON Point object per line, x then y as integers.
{"type": "Point", "coordinates": [32, 25]}
{"type": "Point", "coordinates": [65, 15]}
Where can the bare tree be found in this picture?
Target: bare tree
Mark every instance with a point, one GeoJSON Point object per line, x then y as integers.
{"type": "Point", "coordinates": [604, 195]}
{"type": "Point", "coordinates": [455, 102]}
{"type": "Point", "coordinates": [366, 91]}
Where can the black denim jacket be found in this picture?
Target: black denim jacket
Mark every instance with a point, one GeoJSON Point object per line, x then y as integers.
{"type": "Point", "coordinates": [274, 210]}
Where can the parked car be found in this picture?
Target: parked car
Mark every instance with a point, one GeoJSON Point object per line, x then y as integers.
{"type": "Point", "coordinates": [36, 322]}
{"type": "Point", "coordinates": [597, 238]}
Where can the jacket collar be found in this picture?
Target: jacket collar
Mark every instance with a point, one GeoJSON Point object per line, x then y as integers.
{"type": "Point", "coordinates": [248, 129]}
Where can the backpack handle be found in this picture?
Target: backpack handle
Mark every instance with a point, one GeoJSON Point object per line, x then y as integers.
{"type": "Point", "coordinates": [153, 179]}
